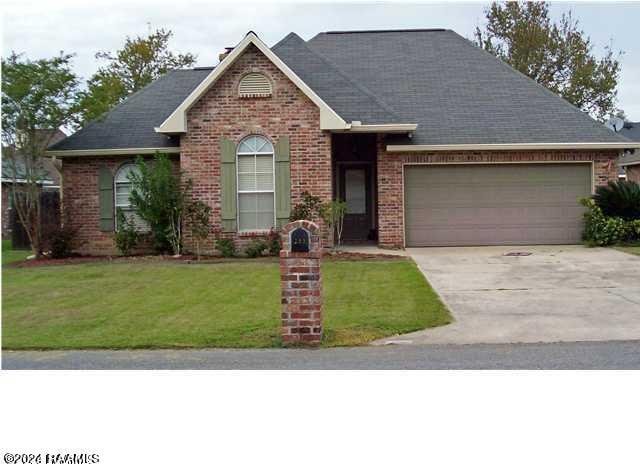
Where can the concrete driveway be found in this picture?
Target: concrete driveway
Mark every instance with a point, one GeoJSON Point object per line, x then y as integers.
{"type": "Point", "coordinates": [558, 293]}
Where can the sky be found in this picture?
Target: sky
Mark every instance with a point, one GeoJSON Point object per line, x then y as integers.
{"type": "Point", "coordinates": [43, 28]}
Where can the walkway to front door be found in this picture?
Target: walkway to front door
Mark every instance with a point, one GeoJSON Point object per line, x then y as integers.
{"type": "Point", "coordinates": [558, 293]}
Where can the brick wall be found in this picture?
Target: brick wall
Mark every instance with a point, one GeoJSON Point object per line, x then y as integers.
{"type": "Point", "coordinates": [390, 172]}
{"type": "Point", "coordinates": [80, 201]}
{"type": "Point", "coordinates": [221, 113]}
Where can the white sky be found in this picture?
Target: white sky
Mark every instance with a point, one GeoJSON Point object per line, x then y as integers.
{"type": "Point", "coordinates": [43, 28]}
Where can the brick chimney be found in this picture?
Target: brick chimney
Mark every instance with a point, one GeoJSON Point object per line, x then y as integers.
{"type": "Point", "coordinates": [224, 54]}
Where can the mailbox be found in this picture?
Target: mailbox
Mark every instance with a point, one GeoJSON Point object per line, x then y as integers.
{"type": "Point", "coordinates": [300, 240]}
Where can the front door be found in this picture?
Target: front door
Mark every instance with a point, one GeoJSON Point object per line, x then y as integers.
{"type": "Point", "coordinates": [355, 190]}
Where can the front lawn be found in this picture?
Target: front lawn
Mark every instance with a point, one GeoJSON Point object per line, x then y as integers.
{"type": "Point", "coordinates": [633, 249]}
{"type": "Point", "coordinates": [235, 304]}
{"type": "Point", "coordinates": [9, 255]}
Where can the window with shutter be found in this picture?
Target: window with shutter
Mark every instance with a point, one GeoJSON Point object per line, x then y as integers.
{"type": "Point", "coordinates": [122, 189]}
{"type": "Point", "coordinates": [256, 184]}
{"type": "Point", "coordinates": [254, 85]}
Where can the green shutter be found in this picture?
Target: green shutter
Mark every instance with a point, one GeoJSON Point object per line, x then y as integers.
{"type": "Point", "coordinates": [283, 181]}
{"type": "Point", "coordinates": [228, 184]}
{"type": "Point", "coordinates": [105, 198]}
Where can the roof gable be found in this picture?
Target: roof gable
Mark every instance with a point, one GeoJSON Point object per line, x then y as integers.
{"type": "Point", "coordinates": [177, 121]}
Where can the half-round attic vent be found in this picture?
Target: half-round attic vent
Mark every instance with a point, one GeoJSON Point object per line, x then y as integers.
{"type": "Point", "coordinates": [254, 85]}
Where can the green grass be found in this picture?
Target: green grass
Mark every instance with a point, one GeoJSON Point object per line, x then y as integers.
{"type": "Point", "coordinates": [633, 249]}
{"type": "Point", "coordinates": [9, 255]}
{"type": "Point", "coordinates": [235, 304]}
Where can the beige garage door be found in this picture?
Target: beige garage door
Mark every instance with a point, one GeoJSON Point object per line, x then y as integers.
{"type": "Point", "coordinates": [501, 204]}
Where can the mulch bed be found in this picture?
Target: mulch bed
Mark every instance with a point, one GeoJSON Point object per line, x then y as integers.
{"type": "Point", "coordinates": [191, 259]}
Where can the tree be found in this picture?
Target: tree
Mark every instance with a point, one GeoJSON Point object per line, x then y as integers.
{"type": "Point", "coordinates": [198, 216]}
{"type": "Point", "coordinates": [161, 198]}
{"type": "Point", "coordinates": [38, 97]}
{"type": "Point", "coordinates": [139, 62]}
{"type": "Point", "coordinates": [558, 55]}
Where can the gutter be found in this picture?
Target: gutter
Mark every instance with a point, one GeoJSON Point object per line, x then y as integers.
{"type": "Point", "coordinates": [112, 151]}
{"type": "Point", "coordinates": [515, 146]}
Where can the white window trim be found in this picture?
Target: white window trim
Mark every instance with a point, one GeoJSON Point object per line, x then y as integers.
{"type": "Point", "coordinates": [272, 153]}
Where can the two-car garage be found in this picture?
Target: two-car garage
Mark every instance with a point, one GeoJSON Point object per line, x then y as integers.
{"type": "Point", "coordinates": [495, 204]}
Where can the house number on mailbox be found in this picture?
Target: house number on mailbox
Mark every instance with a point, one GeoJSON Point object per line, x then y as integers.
{"type": "Point", "coordinates": [300, 240]}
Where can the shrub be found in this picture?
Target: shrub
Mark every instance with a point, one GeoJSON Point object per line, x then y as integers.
{"type": "Point", "coordinates": [274, 242]}
{"type": "Point", "coordinates": [601, 230]}
{"type": "Point", "coordinates": [126, 237]}
{"type": "Point", "coordinates": [59, 240]}
{"type": "Point", "coordinates": [619, 199]}
{"type": "Point", "coordinates": [226, 247]}
{"type": "Point", "coordinates": [256, 248]}
{"type": "Point", "coordinates": [198, 218]}
{"type": "Point", "coordinates": [160, 197]}
{"type": "Point", "coordinates": [333, 214]}
{"type": "Point", "coordinates": [309, 209]}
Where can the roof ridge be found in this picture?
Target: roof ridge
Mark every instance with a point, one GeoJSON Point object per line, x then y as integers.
{"type": "Point", "coordinates": [514, 71]}
{"type": "Point", "coordinates": [384, 31]}
{"type": "Point", "coordinates": [356, 84]}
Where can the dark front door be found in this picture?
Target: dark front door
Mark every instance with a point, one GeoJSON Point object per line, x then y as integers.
{"type": "Point", "coordinates": [355, 190]}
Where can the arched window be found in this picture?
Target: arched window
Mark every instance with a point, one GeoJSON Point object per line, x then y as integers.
{"type": "Point", "coordinates": [122, 188]}
{"type": "Point", "coordinates": [254, 85]}
{"type": "Point", "coordinates": [256, 198]}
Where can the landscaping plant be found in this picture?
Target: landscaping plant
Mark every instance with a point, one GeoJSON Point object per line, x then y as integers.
{"type": "Point", "coordinates": [309, 209]}
{"type": "Point", "coordinates": [226, 247]}
{"type": "Point", "coordinates": [161, 197]}
{"type": "Point", "coordinates": [333, 214]}
{"type": "Point", "coordinates": [619, 199]}
{"type": "Point", "coordinates": [602, 230]}
{"type": "Point", "coordinates": [256, 248]}
{"type": "Point", "coordinates": [58, 240]}
{"type": "Point", "coordinates": [274, 242]}
{"type": "Point", "coordinates": [198, 220]}
{"type": "Point", "coordinates": [126, 236]}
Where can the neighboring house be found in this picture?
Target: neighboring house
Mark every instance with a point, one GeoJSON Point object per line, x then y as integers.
{"type": "Point", "coordinates": [430, 140]}
{"type": "Point", "coordinates": [630, 160]}
{"type": "Point", "coordinates": [49, 177]}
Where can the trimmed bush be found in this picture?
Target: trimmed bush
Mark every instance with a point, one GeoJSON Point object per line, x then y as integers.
{"type": "Point", "coordinates": [601, 230]}
{"type": "Point", "coordinates": [256, 248]}
{"type": "Point", "coordinates": [619, 199]}
{"type": "Point", "coordinates": [226, 247]}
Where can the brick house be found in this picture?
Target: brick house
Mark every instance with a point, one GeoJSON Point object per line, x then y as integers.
{"type": "Point", "coordinates": [430, 140]}
{"type": "Point", "coordinates": [630, 161]}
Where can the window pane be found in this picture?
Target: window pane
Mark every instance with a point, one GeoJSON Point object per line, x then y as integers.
{"type": "Point", "coordinates": [264, 163]}
{"type": "Point", "coordinates": [122, 194]}
{"type": "Point", "coordinates": [246, 182]}
{"type": "Point", "coordinates": [264, 221]}
{"type": "Point", "coordinates": [123, 173]}
{"type": "Point", "coordinates": [246, 163]}
{"type": "Point", "coordinates": [264, 181]}
{"type": "Point", "coordinates": [265, 202]}
{"type": "Point", "coordinates": [255, 211]}
{"type": "Point", "coordinates": [355, 195]}
{"type": "Point", "coordinates": [265, 147]}
{"type": "Point", "coordinates": [247, 221]}
{"type": "Point", "coordinates": [247, 202]}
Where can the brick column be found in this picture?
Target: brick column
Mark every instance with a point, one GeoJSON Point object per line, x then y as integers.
{"type": "Point", "coordinates": [301, 286]}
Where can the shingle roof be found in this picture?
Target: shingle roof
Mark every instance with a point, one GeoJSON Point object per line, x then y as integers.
{"type": "Point", "coordinates": [631, 130]}
{"type": "Point", "coordinates": [131, 124]}
{"type": "Point", "coordinates": [456, 92]}
{"type": "Point", "coordinates": [344, 95]}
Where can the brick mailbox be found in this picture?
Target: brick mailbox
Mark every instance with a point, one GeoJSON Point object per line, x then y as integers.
{"type": "Point", "coordinates": [301, 284]}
